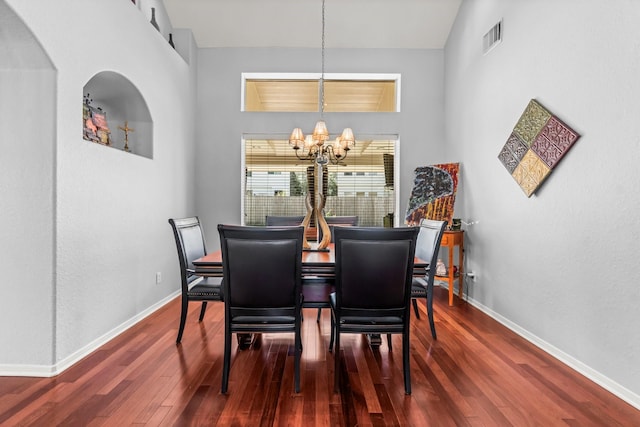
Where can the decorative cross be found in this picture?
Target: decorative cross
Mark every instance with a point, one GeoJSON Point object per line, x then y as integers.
{"type": "Point", "coordinates": [126, 130]}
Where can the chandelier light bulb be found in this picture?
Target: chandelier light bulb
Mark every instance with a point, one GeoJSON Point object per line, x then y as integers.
{"type": "Point", "coordinates": [338, 149]}
{"type": "Point", "coordinates": [347, 138]}
{"type": "Point", "coordinates": [309, 142]}
{"type": "Point", "coordinates": [296, 139]}
{"type": "Point", "coordinates": [320, 132]}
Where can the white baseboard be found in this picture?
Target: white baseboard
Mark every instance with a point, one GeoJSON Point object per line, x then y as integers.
{"type": "Point", "coordinates": [53, 370]}
{"type": "Point", "coordinates": [26, 371]}
{"type": "Point", "coordinates": [623, 393]}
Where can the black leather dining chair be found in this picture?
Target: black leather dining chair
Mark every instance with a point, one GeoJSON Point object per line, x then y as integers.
{"type": "Point", "coordinates": [427, 248]}
{"type": "Point", "coordinates": [340, 221]}
{"type": "Point", "coordinates": [272, 220]}
{"type": "Point", "coordinates": [191, 245]}
{"type": "Point", "coordinates": [374, 268]}
{"type": "Point", "coordinates": [317, 289]}
{"type": "Point", "coordinates": [262, 269]}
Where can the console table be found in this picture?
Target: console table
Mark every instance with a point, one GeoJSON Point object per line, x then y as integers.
{"type": "Point", "coordinates": [451, 239]}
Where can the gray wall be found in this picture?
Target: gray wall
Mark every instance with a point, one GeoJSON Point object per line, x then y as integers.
{"type": "Point", "coordinates": [221, 124]}
{"type": "Point", "coordinates": [27, 194]}
{"type": "Point", "coordinates": [95, 229]}
{"type": "Point", "coordinates": [559, 267]}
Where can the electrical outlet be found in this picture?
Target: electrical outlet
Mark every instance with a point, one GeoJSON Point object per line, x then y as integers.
{"type": "Point", "coordinates": [471, 275]}
{"type": "Point", "coordinates": [158, 278]}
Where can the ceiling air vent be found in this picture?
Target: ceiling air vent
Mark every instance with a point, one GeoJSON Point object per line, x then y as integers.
{"type": "Point", "coordinates": [492, 38]}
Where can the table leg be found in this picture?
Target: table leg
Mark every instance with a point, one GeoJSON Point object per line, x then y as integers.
{"type": "Point", "coordinates": [375, 340]}
{"type": "Point", "coordinates": [451, 274]}
{"type": "Point", "coordinates": [460, 267]}
{"type": "Point", "coordinates": [244, 341]}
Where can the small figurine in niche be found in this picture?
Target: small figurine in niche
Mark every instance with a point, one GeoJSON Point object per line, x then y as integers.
{"type": "Point", "coordinates": [89, 130]}
{"type": "Point", "coordinates": [94, 123]}
{"type": "Point", "coordinates": [99, 118]}
{"type": "Point", "coordinates": [126, 130]}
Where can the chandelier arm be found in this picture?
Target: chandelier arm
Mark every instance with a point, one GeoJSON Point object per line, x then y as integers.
{"type": "Point", "coordinates": [305, 157]}
{"type": "Point", "coordinates": [331, 154]}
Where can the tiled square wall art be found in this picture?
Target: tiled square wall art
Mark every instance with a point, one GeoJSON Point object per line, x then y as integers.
{"type": "Point", "coordinates": [537, 144]}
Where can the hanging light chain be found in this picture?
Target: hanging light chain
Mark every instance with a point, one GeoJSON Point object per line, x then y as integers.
{"type": "Point", "coordinates": [322, 69]}
{"type": "Point", "coordinates": [313, 146]}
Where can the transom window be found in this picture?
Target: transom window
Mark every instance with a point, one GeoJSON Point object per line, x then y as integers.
{"type": "Point", "coordinates": [300, 92]}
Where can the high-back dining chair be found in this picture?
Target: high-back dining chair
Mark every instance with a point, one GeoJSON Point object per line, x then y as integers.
{"type": "Point", "coordinates": [427, 248]}
{"type": "Point", "coordinates": [262, 269]}
{"type": "Point", "coordinates": [272, 220]}
{"type": "Point", "coordinates": [316, 290]}
{"type": "Point", "coordinates": [374, 268]}
{"type": "Point", "coordinates": [340, 221]}
{"type": "Point", "coordinates": [191, 245]}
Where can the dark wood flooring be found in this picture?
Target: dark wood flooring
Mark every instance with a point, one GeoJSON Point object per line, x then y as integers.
{"type": "Point", "coordinates": [477, 373]}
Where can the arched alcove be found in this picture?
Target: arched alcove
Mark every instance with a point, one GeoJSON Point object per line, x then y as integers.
{"type": "Point", "coordinates": [113, 95]}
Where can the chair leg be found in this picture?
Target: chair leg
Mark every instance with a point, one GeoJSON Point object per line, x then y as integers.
{"type": "Point", "coordinates": [319, 315]}
{"type": "Point", "coordinates": [296, 360]}
{"type": "Point", "coordinates": [183, 318]}
{"type": "Point", "coordinates": [226, 364]}
{"type": "Point", "coordinates": [202, 310]}
{"type": "Point", "coordinates": [405, 362]}
{"type": "Point", "coordinates": [333, 325]}
{"type": "Point", "coordinates": [336, 356]}
{"type": "Point", "coordinates": [389, 341]}
{"type": "Point", "coordinates": [415, 307]}
{"type": "Point", "coordinates": [430, 314]}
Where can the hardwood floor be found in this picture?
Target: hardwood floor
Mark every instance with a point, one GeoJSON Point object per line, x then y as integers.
{"type": "Point", "coordinates": [477, 373]}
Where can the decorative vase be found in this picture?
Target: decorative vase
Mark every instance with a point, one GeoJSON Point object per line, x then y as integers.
{"type": "Point", "coordinates": [153, 19]}
{"type": "Point", "coordinates": [171, 41]}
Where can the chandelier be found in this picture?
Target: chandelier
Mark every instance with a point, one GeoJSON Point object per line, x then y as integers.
{"type": "Point", "coordinates": [317, 146]}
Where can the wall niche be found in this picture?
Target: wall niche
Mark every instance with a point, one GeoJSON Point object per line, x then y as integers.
{"type": "Point", "coordinates": [111, 104]}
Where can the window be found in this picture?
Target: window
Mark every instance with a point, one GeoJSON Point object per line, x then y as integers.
{"type": "Point", "coordinates": [363, 93]}
{"type": "Point", "coordinates": [276, 181]}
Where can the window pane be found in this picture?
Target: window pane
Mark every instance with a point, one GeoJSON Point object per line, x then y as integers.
{"type": "Point", "coordinates": [282, 95]}
{"type": "Point", "coordinates": [276, 182]}
{"type": "Point", "coordinates": [367, 96]}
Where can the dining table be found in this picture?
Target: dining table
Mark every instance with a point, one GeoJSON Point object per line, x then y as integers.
{"type": "Point", "coordinates": [315, 264]}
{"type": "Point", "coordinates": [318, 268]}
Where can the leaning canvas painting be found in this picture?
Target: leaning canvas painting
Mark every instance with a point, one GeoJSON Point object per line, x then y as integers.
{"type": "Point", "coordinates": [434, 193]}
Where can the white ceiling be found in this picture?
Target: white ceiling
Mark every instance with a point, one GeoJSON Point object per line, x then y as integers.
{"type": "Point", "coordinates": [411, 24]}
